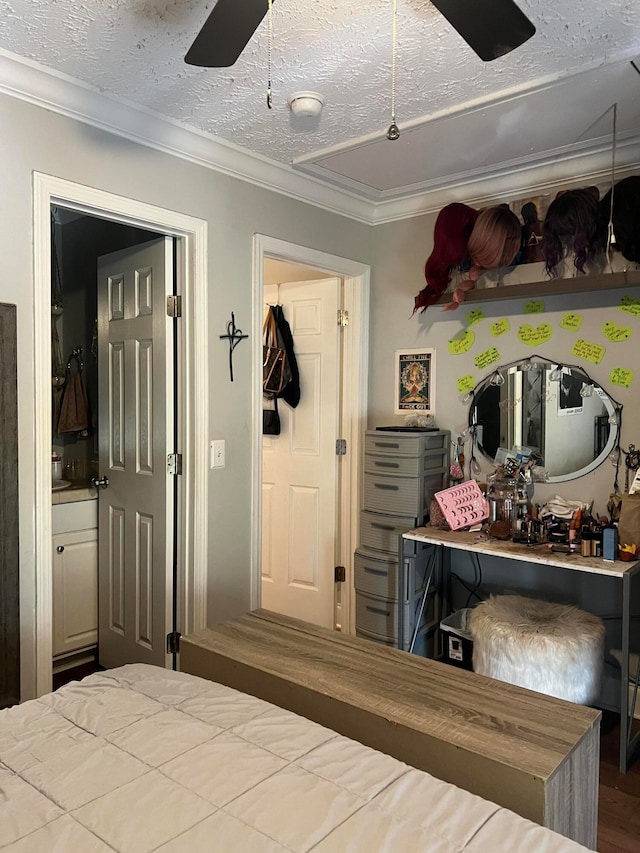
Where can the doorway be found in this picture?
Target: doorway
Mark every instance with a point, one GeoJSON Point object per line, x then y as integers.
{"type": "Point", "coordinates": [189, 236]}
{"type": "Point", "coordinates": [349, 406]}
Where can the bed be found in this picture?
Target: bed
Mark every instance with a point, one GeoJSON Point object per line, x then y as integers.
{"type": "Point", "coordinates": [140, 758]}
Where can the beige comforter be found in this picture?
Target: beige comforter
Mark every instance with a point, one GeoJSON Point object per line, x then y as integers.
{"type": "Point", "coordinates": [140, 759]}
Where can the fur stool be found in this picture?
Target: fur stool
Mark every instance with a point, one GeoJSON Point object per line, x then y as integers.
{"type": "Point", "coordinates": [552, 648]}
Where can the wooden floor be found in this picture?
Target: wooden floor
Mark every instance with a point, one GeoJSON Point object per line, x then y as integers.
{"type": "Point", "coordinates": [619, 808]}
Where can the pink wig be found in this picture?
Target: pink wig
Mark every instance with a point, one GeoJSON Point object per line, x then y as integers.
{"type": "Point", "coordinates": [494, 242]}
{"type": "Point", "coordinates": [450, 236]}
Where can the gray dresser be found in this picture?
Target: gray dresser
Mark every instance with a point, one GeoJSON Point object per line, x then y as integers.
{"type": "Point", "coordinates": [402, 470]}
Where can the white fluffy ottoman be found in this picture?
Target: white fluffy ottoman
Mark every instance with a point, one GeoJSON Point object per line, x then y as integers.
{"type": "Point", "coordinates": [552, 648]}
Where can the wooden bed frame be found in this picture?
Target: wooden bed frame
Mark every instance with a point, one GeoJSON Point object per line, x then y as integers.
{"type": "Point", "coordinates": [528, 752]}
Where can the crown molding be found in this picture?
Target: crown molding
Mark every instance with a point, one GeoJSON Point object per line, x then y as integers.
{"type": "Point", "coordinates": [31, 82]}
{"type": "Point", "coordinates": [34, 83]}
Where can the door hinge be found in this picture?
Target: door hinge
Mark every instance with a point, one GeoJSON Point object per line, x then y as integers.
{"type": "Point", "coordinates": [174, 463]}
{"type": "Point", "coordinates": [343, 317]}
{"type": "Point", "coordinates": [174, 306]}
{"type": "Point", "coordinates": [340, 574]}
{"type": "Point", "coordinates": [341, 447]}
{"type": "Point", "coordinates": [173, 642]}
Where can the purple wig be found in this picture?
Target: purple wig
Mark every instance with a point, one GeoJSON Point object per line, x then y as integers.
{"type": "Point", "coordinates": [572, 225]}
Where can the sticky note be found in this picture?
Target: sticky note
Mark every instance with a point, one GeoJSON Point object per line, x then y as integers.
{"type": "Point", "coordinates": [499, 327]}
{"type": "Point", "coordinates": [484, 359]}
{"type": "Point", "coordinates": [621, 376]}
{"type": "Point", "coordinates": [466, 383]}
{"type": "Point", "coordinates": [616, 333]}
{"type": "Point", "coordinates": [589, 351]}
{"type": "Point", "coordinates": [631, 305]}
{"type": "Point", "coordinates": [462, 342]}
{"type": "Point", "coordinates": [571, 322]}
{"type": "Point", "coordinates": [535, 306]}
{"type": "Point", "coordinates": [475, 316]}
{"type": "Point", "coordinates": [535, 335]}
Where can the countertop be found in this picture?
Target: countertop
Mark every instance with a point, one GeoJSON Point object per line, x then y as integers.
{"type": "Point", "coordinates": [79, 490]}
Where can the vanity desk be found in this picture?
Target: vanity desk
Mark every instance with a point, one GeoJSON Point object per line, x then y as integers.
{"type": "Point", "coordinates": [446, 541]}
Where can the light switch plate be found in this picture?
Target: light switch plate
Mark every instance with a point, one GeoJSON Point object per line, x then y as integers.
{"type": "Point", "coordinates": [217, 448]}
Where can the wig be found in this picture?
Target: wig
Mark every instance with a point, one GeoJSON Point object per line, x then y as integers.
{"type": "Point", "coordinates": [572, 225]}
{"type": "Point", "coordinates": [494, 242]}
{"type": "Point", "coordinates": [450, 236]}
{"type": "Point", "coordinates": [530, 249]}
{"type": "Point", "coordinates": [626, 216]}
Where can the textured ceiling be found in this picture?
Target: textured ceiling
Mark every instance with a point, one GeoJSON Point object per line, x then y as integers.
{"type": "Point", "coordinates": [134, 50]}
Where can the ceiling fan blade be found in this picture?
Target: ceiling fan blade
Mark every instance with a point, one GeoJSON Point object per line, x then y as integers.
{"type": "Point", "coordinates": [490, 27]}
{"type": "Point", "coordinates": [226, 32]}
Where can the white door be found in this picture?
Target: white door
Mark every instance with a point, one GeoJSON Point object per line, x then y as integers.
{"type": "Point", "coordinates": [300, 466]}
{"type": "Point", "coordinates": [136, 403]}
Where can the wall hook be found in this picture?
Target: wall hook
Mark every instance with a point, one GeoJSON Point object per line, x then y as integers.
{"type": "Point", "coordinates": [234, 336]}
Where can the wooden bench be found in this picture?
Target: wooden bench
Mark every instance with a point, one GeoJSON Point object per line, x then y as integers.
{"type": "Point", "coordinates": [528, 752]}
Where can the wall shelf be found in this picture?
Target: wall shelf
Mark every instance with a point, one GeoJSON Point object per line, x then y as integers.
{"type": "Point", "coordinates": [590, 283]}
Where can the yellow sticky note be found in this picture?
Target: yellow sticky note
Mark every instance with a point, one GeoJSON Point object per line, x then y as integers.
{"type": "Point", "coordinates": [462, 342]}
{"type": "Point", "coordinates": [631, 305]}
{"type": "Point", "coordinates": [616, 333]}
{"type": "Point", "coordinates": [466, 383]}
{"type": "Point", "coordinates": [499, 327]}
{"type": "Point", "coordinates": [475, 316]}
{"type": "Point", "coordinates": [621, 376]}
{"type": "Point", "coordinates": [536, 306]}
{"type": "Point", "coordinates": [571, 322]}
{"type": "Point", "coordinates": [535, 335]}
{"type": "Point", "coordinates": [484, 359]}
{"type": "Point", "coordinates": [588, 350]}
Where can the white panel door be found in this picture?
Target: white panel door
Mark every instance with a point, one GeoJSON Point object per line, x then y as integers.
{"type": "Point", "coordinates": [136, 399]}
{"type": "Point", "coordinates": [299, 493]}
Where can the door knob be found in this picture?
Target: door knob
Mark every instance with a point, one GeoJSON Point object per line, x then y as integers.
{"type": "Point", "coordinates": [60, 549]}
{"type": "Point", "coordinates": [100, 482]}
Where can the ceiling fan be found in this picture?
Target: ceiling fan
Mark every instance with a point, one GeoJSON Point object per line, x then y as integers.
{"type": "Point", "coordinates": [490, 27]}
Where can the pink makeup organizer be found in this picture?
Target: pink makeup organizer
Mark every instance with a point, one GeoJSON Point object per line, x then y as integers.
{"type": "Point", "coordinates": [463, 505]}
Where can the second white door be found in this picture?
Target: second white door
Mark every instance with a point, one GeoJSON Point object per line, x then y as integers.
{"type": "Point", "coordinates": [300, 466]}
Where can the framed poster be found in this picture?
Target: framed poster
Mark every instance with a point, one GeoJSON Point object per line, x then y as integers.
{"type": "Point", "coordinates": [415, 381]}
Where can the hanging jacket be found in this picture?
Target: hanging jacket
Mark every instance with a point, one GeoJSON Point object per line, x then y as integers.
{"type": "Point", "coordinates": [291, 391]}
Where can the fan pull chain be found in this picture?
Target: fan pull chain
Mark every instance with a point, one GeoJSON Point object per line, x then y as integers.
{"type": "Point", "coordinates": [269, 40]}
{"type": "Point", "coordinates": [393, 132]}
{"type": "Point", "coordinates": [610, 235]}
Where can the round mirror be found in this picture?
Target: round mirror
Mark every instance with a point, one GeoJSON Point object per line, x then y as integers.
{"type": "Point", "coordinates": [554, 411]}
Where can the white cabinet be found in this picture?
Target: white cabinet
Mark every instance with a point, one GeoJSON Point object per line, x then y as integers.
{"type": "Point", "coordinates": [75, 590]}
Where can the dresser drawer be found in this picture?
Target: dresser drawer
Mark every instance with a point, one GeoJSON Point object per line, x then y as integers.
{"type": "Point", "coordinates": [383, 532]}
{"type": "Point", "coordinates": [381, 617]}
{"type": "Point", "coordinates": [401, 495]}
{"type": "Point", "coordinates": [407, 466]}
{"type": "Point", "coordinates": [380, 443]}
{"type": "Point", "coordinates": [376, 575]}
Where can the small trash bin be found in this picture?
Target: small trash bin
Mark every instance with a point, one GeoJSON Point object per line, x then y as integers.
{"type": "Point", "coordinates": [457, 643]}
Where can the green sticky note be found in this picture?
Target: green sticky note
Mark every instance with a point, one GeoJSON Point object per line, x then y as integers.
{"type": "Point", "coordinates": [615, 333]}
{"type": "Point", "coordinates": [571, 322]}
{"type": "Point", "coordinates": [536, 306]}
{"type": "Point", "coordinates": [466, 383]}
{"type": "Point", "coordinates": [475, 316]}
{"type": "Point", "coordinates": [535, 335]}
{"type": "Point", "coordinates": [499, 327]}
{"type": "Point", "coordinates": [587, 350]}
{"type": "Point", "coordinates": [486, 358]}
{"type": "Point", "coordinates": [620, 376]}
{"type": "Point", "coordinates": [631, 305]}
{"type": "Point", "coordinates": [462, 342]}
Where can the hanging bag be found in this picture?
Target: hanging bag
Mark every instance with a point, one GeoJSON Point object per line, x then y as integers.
{"type": "Point", "coordinates": [271, 420]}
{"type": "Point", "coordinates": [274, 359]}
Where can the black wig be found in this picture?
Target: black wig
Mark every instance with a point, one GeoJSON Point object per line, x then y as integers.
{"type": "Point", "coordinates": [572, 224]}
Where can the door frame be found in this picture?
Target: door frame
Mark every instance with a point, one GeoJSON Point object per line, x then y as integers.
{"type": "Point", "coordinates": [192, 378]}
{"type": "Point", "coordinates": [353, 402]}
